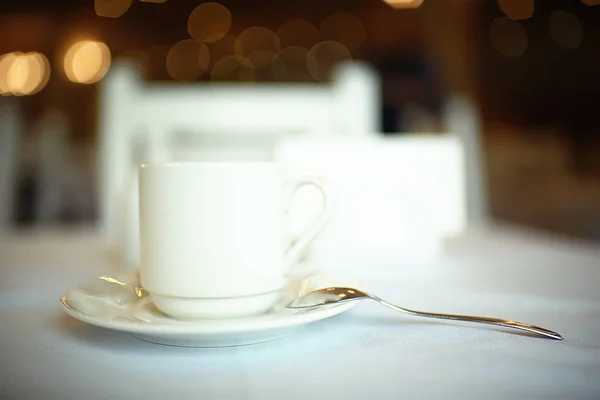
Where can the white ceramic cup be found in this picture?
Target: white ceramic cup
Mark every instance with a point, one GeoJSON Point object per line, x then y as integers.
{"type": "Point", "coordinates": [214, 236]}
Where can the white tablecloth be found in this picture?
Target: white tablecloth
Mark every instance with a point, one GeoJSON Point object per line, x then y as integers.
{"type": "Point", "coordinates": [368, 353]}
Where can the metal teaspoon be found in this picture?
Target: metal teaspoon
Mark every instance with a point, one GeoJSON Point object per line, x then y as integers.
{"type": "Point", "coordinates": [343, 294]}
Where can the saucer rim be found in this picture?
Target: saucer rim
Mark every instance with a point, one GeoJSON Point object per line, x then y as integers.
{"type": "Point", "coordinates": [240, 325]}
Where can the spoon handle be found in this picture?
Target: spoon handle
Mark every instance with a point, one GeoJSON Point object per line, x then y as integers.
{"type": "Point", "coordinates": [483, 320]}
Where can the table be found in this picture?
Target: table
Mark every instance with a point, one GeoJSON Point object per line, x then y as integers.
{"type": "Point", "coordinates": [368, 353]}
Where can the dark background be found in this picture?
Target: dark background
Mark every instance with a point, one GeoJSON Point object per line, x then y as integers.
{"type": "Point", "coordinates": [539, 109]}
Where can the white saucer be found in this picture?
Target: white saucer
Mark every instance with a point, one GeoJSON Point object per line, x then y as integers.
{"type": "Point", "coordinates": [117, 302]}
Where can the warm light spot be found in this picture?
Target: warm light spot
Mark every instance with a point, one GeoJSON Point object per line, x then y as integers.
{"type": "Point", "coordinates": [344, 28]}
{"type": "Point", "coordinates": [263, 62]}
{"type": "Point", "coordinates": [111, 8]}
{"type": "Point", "coordinates": [351, 291]}
{"type": "Point", "coordinates": [209, 22]}
{"type": "Point", "coordinates": [23, 74]}
{"type": "Point", "coordinates": [517, 9]}
{"type": "Point", "coordinates": [298, 32]}
{"type": "Point", "coordinates": [565, 29]}
{"type": "Point", "coordinates": [6, 62]}
{"type": "Point", "coordinates": [262, 58]}
{"type": "Point", "coordinates": [404, 3]}
{"type": "Point", "coordinates": [591, 2]}
{"type": "Point", "coordinates": [44, 65]}
{"type": "Point", "coordinates": [291, 64]}
{"type": "Point", "coordinates": [17, 74]}
{"type": "Point", "coordinates": [187, 60]}
{"type": "Point", "coordinates": [38, 73]}
{"type": "Point", "coordinates": [508, 37]}
{"type": "Point", "coordinates": [342, 295]}
{"type": "Point", "coordinates": [233, 68]}
{"type": "Point", "coordinates": [256, 38]}
{"type": "Point", "coordinates": [324, 57]}
{"type": "Point", "coordinates": [87, 61]}
{"type": "Point", "coordinates": [221, 48]}
{"type": "Point", "coordinates": [294, 54]}
{"type": "Point", "coordinates": [279, 69]}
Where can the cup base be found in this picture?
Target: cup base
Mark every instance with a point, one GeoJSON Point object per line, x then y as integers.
{"type": "Point", "coordinates": [215, 308]}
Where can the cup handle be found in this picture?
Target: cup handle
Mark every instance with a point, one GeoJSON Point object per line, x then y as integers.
{"type": "Point", "coordinates": [294, 253]}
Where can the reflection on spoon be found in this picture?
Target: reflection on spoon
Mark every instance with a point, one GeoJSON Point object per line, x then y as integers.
{"type": "Point", "coordinates": [334, 295]}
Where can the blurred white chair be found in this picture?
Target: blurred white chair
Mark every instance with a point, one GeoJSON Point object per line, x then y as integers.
{"type": "Point", "coordinates": [398, 196]}
{"type": "Point", "coordinates": [218, 121]}
{"type": "Point", "coordinates": [461, 118]}
{"type": "Point", "coordinates": [11, 127]}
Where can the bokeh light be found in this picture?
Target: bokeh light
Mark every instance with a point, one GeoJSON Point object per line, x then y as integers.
{"type": "Point", "coordinates": [221, 48]}
{"type": "Point", "coordinates": [565, 29]}
{"type": "Point", "coordinates": [298, 32]}
{"type": "Point", "coordinates": [256, 38]}
{"type": "Point", "coordinates": [345, 28]}
{"type": "Point", "coordinates": [33, 75]}
{"type": "Point", "coordinates": [111, 8]}
{"type": "Point", "coordinates": [263, 62]}
{"type": "Point", "coordinates": [324, 57]}
{"type": "Point", "coordinates": [262, 58]}
{"type": "Point", "coordinates": [279, 69]}
{"type": "Point", "coordinates": [18, 74]}
{"type": "Point", "coordinates": [23, 74]}
{"type": "Point", "coordinates": [187, 60]}
{"type": "Point", "coordinates": [508, 37]}
{"type": "Point", "coordinates": [291, 64]}
{"type": "Point", "coordinates": [591, 2]}
{"type": "Point", "coordinates": [87, 61]}
{"type": "Point", "coordinates": [45, 71]}
{"type": "Point", "coordinates": [404, 3]}
{"type": "Point", "coordinates": [233, 68]}
{"type": "Point", "coordinates": [6, 62]}
{"type": "Point", "coordinates": [209, 22]}
{"type": "Point", "coordinates": [517, 9]}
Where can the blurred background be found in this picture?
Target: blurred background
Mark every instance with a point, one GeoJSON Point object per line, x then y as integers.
{"type": "Point", "coordinates": [530, 68]}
